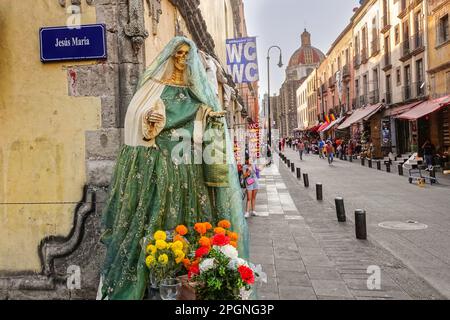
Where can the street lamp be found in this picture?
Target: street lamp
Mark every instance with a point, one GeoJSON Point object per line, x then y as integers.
{"type": "Point", "coordinates": [280, 64]}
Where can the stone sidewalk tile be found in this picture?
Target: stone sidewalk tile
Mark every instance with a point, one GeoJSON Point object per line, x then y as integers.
{"type": "Point", "coordinates": [297, 293]}
{"type": "Point", "coordinates": [331, 288]}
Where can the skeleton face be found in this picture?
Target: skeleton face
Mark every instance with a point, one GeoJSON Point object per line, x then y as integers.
{"type": "Point", "coordinates": [181, 56]}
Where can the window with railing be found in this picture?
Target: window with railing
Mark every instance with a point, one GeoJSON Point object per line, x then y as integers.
{"type": "Point", "coordinates": [417, 41]}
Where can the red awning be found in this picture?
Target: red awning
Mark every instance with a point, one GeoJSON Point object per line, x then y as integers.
{"type": "Point", "coordinates": [425, 108]}
{"type": "Point", "coordinates": [360, 114]}
{"type": "Point", "coordinates": [395, 111]}
{"type": "Point", "coordinates": [323, 126]}
{"type": "Point", "coordinates": [315, 128]}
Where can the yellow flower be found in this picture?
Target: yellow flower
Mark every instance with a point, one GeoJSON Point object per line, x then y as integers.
{"type": "Point", "coordinates": [169, 245]}
{"type": "Point", "coordinates": [160, 235]}
{"type": "Point", "coordinates": [161, 244]}
{"type": "Point", "coordinates": [177, 245]}
{"type": "Point", "coordinates": [163, 259]}
{"type": "Point", "coordinates": [151, 249]}
{"type": "Point", "coordinates": [149, 261]}
{"type": "Point", "coordinates": [179, 256]}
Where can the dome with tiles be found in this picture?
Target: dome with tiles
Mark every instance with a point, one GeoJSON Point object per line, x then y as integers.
{"type": "Point", "coordinates": [306, 54]}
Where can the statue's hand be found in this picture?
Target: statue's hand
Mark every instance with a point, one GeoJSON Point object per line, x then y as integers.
{"type": "Point", "coordinates": [153, 117]}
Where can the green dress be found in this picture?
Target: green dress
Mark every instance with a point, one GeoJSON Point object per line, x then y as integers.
{"type": "Point", "coordinates": [149, 192]}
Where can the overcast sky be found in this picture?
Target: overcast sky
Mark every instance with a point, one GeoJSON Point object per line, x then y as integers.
{"type": "Point", "coordinates": [281, 22]}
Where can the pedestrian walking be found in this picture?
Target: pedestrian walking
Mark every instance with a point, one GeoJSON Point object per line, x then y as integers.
{"type": "Point", "coordinates": [428, 149]}
{"type": "Point", "coordinates": [301, 148]}
{"type": "Point", "coordinates": [251, 176]}
{"type": "Point", "coordinates": [330, 152]}
{"type": "Point", "coordinates": [321, 145]}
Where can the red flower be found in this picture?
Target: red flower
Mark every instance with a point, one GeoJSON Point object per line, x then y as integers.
{"type": "Point", "coordinates": [202, 251]}
{"type": "Point", "coordinates": [247, 274]}
{"type": "Point", "coordinates": [193, 271]}
{"type": "Point", "coordinates": [220, 240]}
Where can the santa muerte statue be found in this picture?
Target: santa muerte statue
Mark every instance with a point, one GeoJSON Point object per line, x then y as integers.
{"type": "Point", "coordinates": [158, 181]}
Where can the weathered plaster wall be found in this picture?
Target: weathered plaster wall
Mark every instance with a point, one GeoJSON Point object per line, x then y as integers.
{"type": "Point", "coordinates": [42, 148]}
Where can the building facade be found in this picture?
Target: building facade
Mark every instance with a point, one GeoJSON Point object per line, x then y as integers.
{"type": "Point", "coordinates": [55, 172]}
{"type": "Point", "coordinates": [301, 64]}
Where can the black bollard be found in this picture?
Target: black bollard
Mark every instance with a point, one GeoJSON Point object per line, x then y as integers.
{"type": "Point", "coordinates": [370, 163]}
{"type": "Point", "coordinates": [360, 224]}
{"type": "Point", "coordinates": [363, 161]}
{"type": "Point", "coordinates": [378, 165]}
{"type": "Point", "coordinates": [292, 167]}
{"type": "Point", "coordinates": [299, 173]}
{"type": "Point", "coordinates": [340, 209]}
{"type": "Point", "coordinates": [319, 193]}
{"type": "Point", "coordinates": [388, 167]}
{"type": "Point", "coordinates": [288, 163]}
{"type": "Point", "coordinates": [400, 170]}
{"type": "Point", "coordinates": [306, 180]}
{"type": "Point", "coordinates": [350, 158]}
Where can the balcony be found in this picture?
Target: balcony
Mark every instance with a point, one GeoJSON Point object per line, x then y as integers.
{"type": "Point", "coordinates": [406, 49]}
{"type": "Point", "coordinates": [404, 8]}
{"type": "Point", "coordinates": [356, 61]}
{"type": "Point", "coordinates": [388, 98]}
{"type": "Point", "coordinates": [407, 94]}
{"type": "Point", "coordinates": [375, 46]}
{"type": "Point", "coordinates": [346, 72]}
{"type": "Point", "coordinates": [417, 45]}
{"type": "Point", "coordinates": [418, 89]}
{"type": "Point", "coordinates": [387, 64]}
{"type": "Point", "coordinates": [332, 81]}
{"type": "Point", "coordinates": [362, 100]}
{"type": "Point", "coordinates": [385, 23]}
{"type": "Point", "coordinates": [374, 96]}
{"type": "Point", "coordinates": [364, 55]}
{"type": "Point", "coordinates": [324, 89]}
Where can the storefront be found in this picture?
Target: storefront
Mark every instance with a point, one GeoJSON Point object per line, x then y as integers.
{"type": "Point", "coordinates": [429, 120]}
{"type": "Point", "coordinates": [365, 129]}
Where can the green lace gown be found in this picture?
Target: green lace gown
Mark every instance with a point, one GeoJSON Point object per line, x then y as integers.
{"type": "Point", "coordinates": [149, 192]}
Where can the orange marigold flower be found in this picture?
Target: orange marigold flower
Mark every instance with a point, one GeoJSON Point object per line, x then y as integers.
{"type": "Point", "coordinates": [224, 224]}
{"type": "Point", "coordinates": [181, 230]}
{"type": "Point", "coordinates": [186, 263]}
{"type": "Point", "coordinates": [233, 235]}
{"type": "Point", "coordinates": [234, 244]}
{"type": "Point", "coordinates": [219, 230]}
{"type": "Point", "coordinates": [178, 238]}
{"type": "Point", "coordinates": [208, 226]}
{"type": "Point", "coordinates": [200, 228]}
{"type": "Point", "coordinates": [204, 242]}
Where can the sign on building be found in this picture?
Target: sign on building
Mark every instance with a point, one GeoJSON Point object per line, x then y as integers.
{"type": "Point", "coordinates": [242, 59]}
{"type": "Point", "coordinates": [66, 43]}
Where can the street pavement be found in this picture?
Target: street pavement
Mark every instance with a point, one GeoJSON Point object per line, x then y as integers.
{"type": "Point", "coordinates": [308, 255]}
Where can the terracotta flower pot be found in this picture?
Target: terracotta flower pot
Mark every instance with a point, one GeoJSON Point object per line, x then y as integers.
{"type": "Point", "coordinates": [187, 289]}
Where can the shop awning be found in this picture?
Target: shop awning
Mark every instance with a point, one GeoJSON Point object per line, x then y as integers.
{"type": "Point", "coordinates": [360, 114]}
{"type": "Point", "coordinates": [395, 111]}
{"type": "Point", "coordinates": [315, 128]}
{"type": "Point", "coordinates": [323, 126]}
{"type": "Point", "coordinates": [425, 108]}
{"type": "Point", "coordinates": [333, 123]}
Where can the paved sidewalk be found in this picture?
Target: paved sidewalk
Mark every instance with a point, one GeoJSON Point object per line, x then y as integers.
{"type": "Point", "coordinates": [389, 197]}
{"type": "Point", "coordinates": [309, 255]}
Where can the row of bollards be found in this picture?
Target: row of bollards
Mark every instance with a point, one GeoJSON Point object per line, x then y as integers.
{"type": "Point", "coordinates": [360, 215]}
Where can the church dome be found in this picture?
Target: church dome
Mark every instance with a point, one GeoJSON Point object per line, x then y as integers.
{"type": "Point", "coordinates": [306, 54]}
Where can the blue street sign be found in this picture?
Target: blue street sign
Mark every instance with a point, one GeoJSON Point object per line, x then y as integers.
{"type": "Point", "coordinates": [64, 43]}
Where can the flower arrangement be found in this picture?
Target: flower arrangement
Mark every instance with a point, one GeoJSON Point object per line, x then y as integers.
{"type": "Point", "coordinates": [216, 268]}
{"type": "Point", "coordinates": [210, 258]}
{"type": "Point", "coordinates": [164, 258]}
